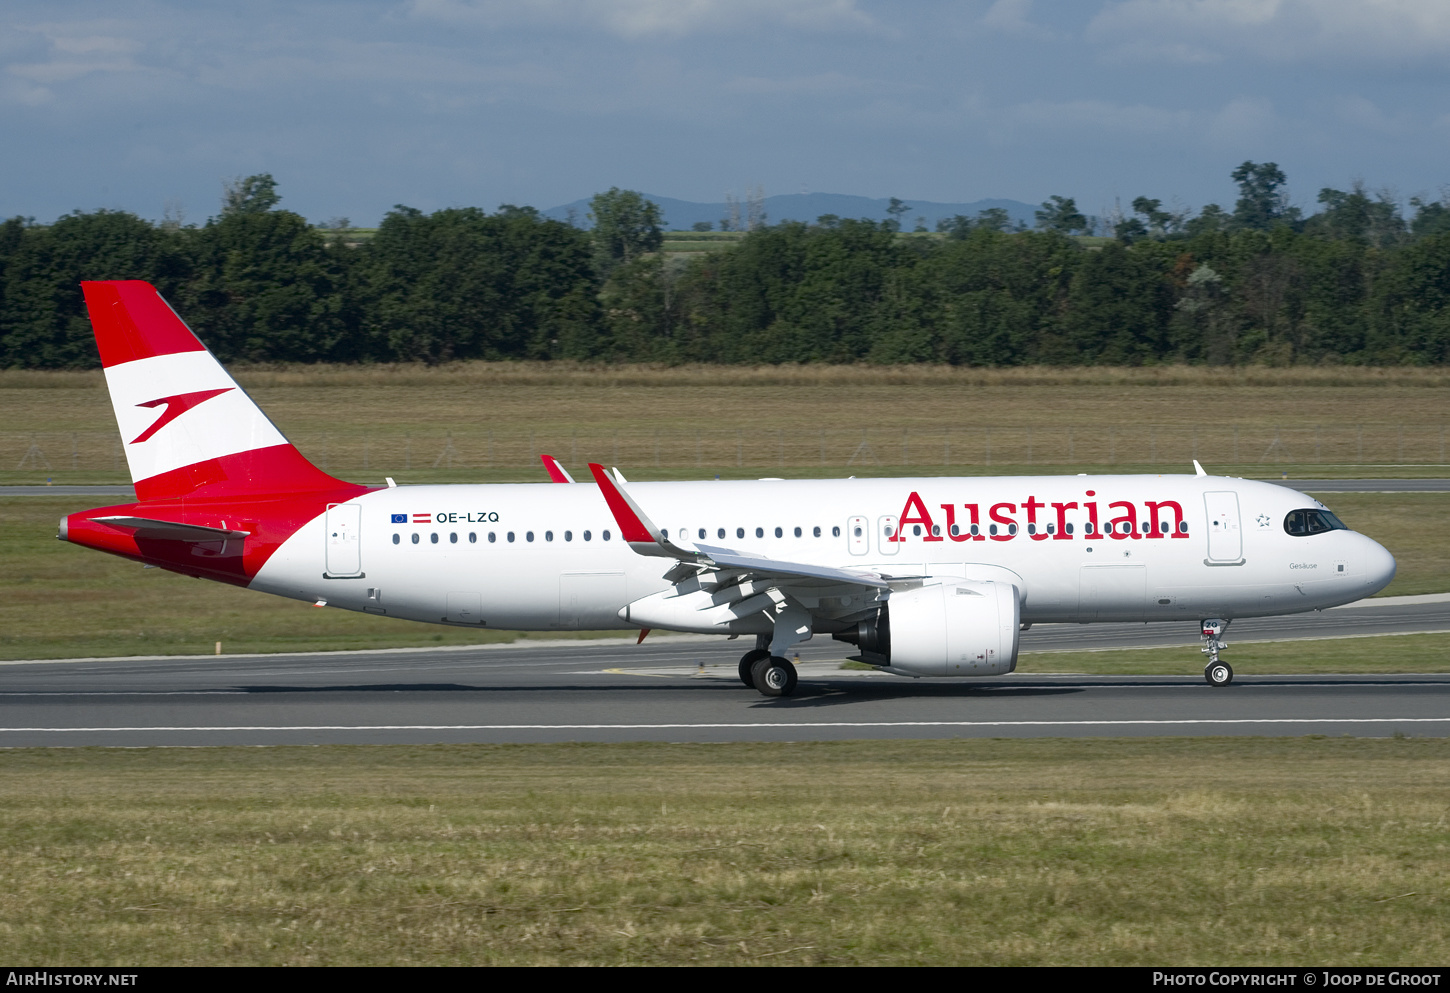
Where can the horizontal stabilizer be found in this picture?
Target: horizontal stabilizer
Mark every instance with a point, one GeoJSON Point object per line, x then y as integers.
{"type": "Point", "coordinates": [146, 527]}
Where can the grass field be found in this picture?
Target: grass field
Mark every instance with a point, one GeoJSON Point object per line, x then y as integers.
{"type": "Point", "coordinates": [487, 422]}
{"type": "Point", "coordinates": [1385, 654]}
{"type": "Point", "coordinates": [61, 601]}
{"type": "Point", "coordinates": [971, 852]}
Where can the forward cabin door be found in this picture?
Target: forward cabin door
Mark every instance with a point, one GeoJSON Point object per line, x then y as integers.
{"type": "Point", "coordinates": [344, 545]}
{"type": "Point", "coordinates": [1225, 537]}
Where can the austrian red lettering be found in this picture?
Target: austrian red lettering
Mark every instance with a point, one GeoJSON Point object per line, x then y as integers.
{"type": "Point", "coordinates": [951, 512]}
{"type": "Point", "coordinates": [922, 518]}
{"type": "Point", "coordinates": [1009, 526]}
{"type": "Point", "coordinates": [1155, 508]}
{"type": "Point", "coordinates": [1032, 506]}
{"type": "Point", "coordinates": [1062, 509]}
{"type": "Point", "coordinates": [1130, 519]}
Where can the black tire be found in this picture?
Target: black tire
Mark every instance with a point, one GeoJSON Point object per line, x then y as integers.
{"type": "Point", "coordinates": [774, 676]}
{"type": "Point", "coordinates": [747, 665]}
{"type": "Point", "coordinates": [1218, 673]}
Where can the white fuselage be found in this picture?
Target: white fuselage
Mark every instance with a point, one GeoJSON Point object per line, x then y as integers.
{"type": "Point", "coordinates": [516, 556]}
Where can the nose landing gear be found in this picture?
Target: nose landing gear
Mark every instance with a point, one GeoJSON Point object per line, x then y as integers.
{"type": "Point", "coordinates": [1216, 673]}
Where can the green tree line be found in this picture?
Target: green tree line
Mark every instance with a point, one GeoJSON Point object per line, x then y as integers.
{"type": "Point", "coordinates": [1355, 282]}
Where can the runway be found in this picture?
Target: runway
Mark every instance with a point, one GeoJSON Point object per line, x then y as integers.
{"type": "Point", "coordinates": [686, 689]}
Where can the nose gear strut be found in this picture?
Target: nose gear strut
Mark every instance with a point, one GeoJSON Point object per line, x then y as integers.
{"type": "Point", "coordinates": [1216, 673]}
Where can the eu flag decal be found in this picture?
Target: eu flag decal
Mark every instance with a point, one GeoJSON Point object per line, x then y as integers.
{"type": "Point", "coordinates": [400, 518]}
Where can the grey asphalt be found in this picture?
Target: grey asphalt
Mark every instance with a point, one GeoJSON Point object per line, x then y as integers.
{"type": "Point", "coordinates": [686, 689]}
{"type": "Point", "coordinates": [1303, 485]}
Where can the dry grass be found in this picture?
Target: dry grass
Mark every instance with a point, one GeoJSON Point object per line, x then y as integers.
{"type": "Point", "coordinates": [1089, 852]}
{"type": "Point", "coordinates": [481, 421]}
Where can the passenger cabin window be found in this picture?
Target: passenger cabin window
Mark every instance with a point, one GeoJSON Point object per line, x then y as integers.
{"type": "Point", "coordinates": [473, 537]}
{"type": "Point", "coordinates": [453, 537]}
{"type": "Point", "coordinates": [836, 531]}
{"type": "Point", "coordinates": [415, 537]}
{"type": "Point", "coordinates": [492, 537]}
{"type": "Point", "coordinates": [397, 538]}
{"type": "Point", "coordinates": [1305, 522]}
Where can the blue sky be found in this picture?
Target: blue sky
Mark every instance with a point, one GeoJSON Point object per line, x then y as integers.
{"type": "Point", "coordinates": [355, 106]}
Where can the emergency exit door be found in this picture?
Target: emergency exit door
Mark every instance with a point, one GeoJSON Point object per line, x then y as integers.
{"type": "Point", "coordinates": [1225, 536]}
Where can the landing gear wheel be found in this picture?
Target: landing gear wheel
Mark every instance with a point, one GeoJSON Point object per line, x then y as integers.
{"type": "Point", "coordinates": [1218, 673]}
{"type": "Point", "coordinates": [747, 663]}
{"type": "Point", "coordinates": [774, 676]}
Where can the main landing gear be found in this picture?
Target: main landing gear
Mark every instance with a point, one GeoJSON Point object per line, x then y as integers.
{"type": "Point", "coordinates": [772, 675]}
{"type": "Point", "coordinates": [1216, 673]}
{"type": "Point", "coordinates": [747, 665]}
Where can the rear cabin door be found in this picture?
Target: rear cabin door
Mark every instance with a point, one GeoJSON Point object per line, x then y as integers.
{"type": "Point", "coordinates": [344, 547]}
{"type": "Point", "coordinates": [1225, 537]}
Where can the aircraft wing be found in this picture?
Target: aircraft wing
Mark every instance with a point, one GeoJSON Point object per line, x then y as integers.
{"type": "Point", "coordinates": [760, 566]}
{"type": "Point", "coordinates": [644, 537]}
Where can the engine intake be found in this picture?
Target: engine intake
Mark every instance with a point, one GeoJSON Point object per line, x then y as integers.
{"type": "Point", "coordinates": [956, 628]}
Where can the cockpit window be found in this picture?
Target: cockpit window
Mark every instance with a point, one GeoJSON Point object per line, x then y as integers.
{"type": "Point", "coordinates": [1303, 522]}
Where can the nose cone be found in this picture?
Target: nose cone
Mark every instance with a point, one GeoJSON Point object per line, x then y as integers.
{"type": "Point", "coordinates": [1379, 566]}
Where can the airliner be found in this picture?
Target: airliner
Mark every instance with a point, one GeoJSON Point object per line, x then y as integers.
{"type": "Point", "coordinates": [923, 576]}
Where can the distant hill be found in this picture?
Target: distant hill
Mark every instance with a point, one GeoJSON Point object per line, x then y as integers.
{"type": "Point", "coordinates": [681, 215]}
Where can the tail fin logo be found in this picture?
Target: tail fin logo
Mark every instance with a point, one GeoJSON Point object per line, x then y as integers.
{"type": "Point", "coordinates": [175, 407]}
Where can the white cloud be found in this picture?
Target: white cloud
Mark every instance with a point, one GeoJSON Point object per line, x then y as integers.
{"type": "Point", "coordinates": [1366, 115]}
{"type": "Point", "coordinates": [820, 84]}
{"type": "Point", "coordinates": [633, 19]}
{"type": "Point", "coordinates": [58, 53]}
{"type": "Point", "coordinates": [1011, 16]}
{"type": "Point", "coordinates": [1275, 30]}
{"type": "Point", "coordinates": [1102, 116]}
{"type": "Point", "coordinates": [1243, 121]}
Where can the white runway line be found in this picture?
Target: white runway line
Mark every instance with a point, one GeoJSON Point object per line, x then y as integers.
{"type": "Point", "coordinates": [747, 726]}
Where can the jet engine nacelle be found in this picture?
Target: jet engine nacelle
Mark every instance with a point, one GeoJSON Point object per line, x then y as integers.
{"type": "Point", "coordinates": [955, 628]}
